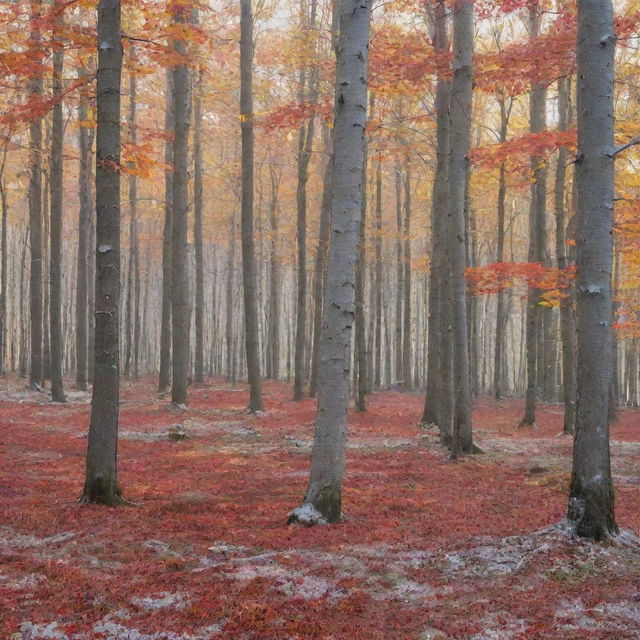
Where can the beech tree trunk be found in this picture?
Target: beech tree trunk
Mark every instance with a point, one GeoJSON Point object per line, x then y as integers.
{"type": "Point", "coordinates": [537, 238]}
{"type": "Point", "coordinates": [591, 500]}
{"type": "Point", "coordinates": [85, 141]}
{"type": "Point", "coordinates": [407, 370]}
{"type": "Point", "coordinates": [252, 333]}
{"type": "Point", "coordinates": [55, 184]}
{"type": "Point", "coordinates": [567, 320]}
{"type": "Point", "coordinates": [164, 377]}
{"type": "Point", "coordinates": [198, 206]}
{"type": "Point", "coordinates": [460, 114]}
{"type": "Point", "coordinates": [399, 277]}
{"type": "Point", "coordinates": [180, 298]}
{"type": "Point", "coordinates": [323, 499]}
{"type": "Point", "coordinates": [3, 265]}
{"type": "Point", "coordinates": [437, 330]}
{"type": "Point", "coordinates": [275, 292]}
{"type": "Point", "coordinates": [101, 482]}
{"type": "Point", "coordinates": [35, 213]}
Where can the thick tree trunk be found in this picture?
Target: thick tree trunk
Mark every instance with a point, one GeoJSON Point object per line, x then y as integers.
{"type": "Point", "coordinates": [567, 320]}
{"type": "Point", "coordinates": [55, 268]}
{"type": "Point", "coordinates": [252, 333]}
{"type": "Point", "coordinates": [35, 213]}
{"type": "Point", "coordinates": [180, 298]}
{"type": "Point", "coordinates": [591, 502]}
{"type": "Point", "coordinates": [437, 332]}
{"type": "Point", "coordinates": [101, 483]}
{"type": "Point", "coordinates": [460, 114]}
{"type": "Point", "coordinates": [165, 323]}
{"type": "Point", "coordinates": [198, 206]}
{"type": "Point", "coordinates": [323, 499]}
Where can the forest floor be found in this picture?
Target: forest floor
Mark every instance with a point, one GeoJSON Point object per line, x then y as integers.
{"type": "Point", "coordinates": [430, 550]}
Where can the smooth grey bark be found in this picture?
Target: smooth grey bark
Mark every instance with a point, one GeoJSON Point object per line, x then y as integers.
{"type": "Point", "coordinates": [460, 115]}
{"type": "Point", "coordinates": [4, 208]}
{"type": "Point", "coordinates": [101, 482]}
{"type": "Point", "coordinates": [231, 265]}
{"type": "Point", "coordinates": [273, 335]}
{"type": "Point", "coordinates": [323, 499]}
{"type": "Point", "coordinates": [567, 319]}
{"type": "Point", "coordinates": [399, 276]}
{"type": "Point", "coordinates": [591, 498]}
{"type": "Point", "coordinates": [252, 331]}
{"type": "Point", "coordinates": [55, 193]}
{"type": "Point", "coordinates": [437, 331]}
{"type": "Point", "coordinates": [198, 207]}
{"type": "Point", "coordinates": [378, 284]}
{"type": "Point", "coordinates": [407, 371]}
{"type": "Point", "coordinates": [35, 212]}
{"type": "Point", "coordinates": [305, 143]}
{"type": "Point", "coordinates": [537, 238]}
{"type": "Point", "coordinates": [501, 306]}
{"type": "Point", "coordinates": [164, 377]}
{"type": "Point", "coordinates": [132, 319]}
{"type": "Point", "coordinates": [180, 297]}
{"type": "Point", "coordinates": [85, 142]}
{"type": "Point", "coordinates": [321, 260]}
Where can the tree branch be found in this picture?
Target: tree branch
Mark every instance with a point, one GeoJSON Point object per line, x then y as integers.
{"type": "Point", "coordinates": [624, 147]}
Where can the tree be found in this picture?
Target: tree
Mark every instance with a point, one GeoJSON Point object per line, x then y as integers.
{"type": "Point", "coordinates": [460, 115]}
{"type": "Point", "coordinates": [252, 332]}
{"type": "Point", "coordinates": [591, 500]}
{"type": "Point", "coordinates": [180, 300]}
{"type": "Point", "coordinates": [101, 480]}
{"type": "Point", "coordinates": [35, 210]}
{"type": "Point", "coordinates": [322, 502]}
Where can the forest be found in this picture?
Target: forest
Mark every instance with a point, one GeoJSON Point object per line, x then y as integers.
{"type": "Point", "coordinates": [319, 319]}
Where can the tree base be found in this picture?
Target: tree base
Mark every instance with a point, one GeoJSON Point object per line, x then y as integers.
{"type": "Point", "coordinates": [103, 492]}
{"type": "Point", "coordinates": [306, 514]}
{"type": "Point", "coordinates": [524, 423]}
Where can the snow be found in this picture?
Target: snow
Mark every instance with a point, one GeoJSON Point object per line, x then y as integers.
{"type": "Point", "coordinates": [161, 601]}
{"type": "Point", "coordinates": [307, 514]}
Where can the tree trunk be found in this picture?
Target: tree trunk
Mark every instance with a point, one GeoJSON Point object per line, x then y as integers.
{"type": "Point", "coordinates": [399, 277]}
{"type": "Point", "coordinates": [101, 483]}
{"type": "Point", "coordinates": [198, 207]}
{"type": "Point", "coordinates": [180, 298]}
{"type": "Point", "coordinates": [567, 320]}
{"type": "Point", "coordinates": [35, 212]}
{"type": "Point", "coordinates": [275, 293]}
{"type": "Point", "coordinates": [460, 114]}
{"type": "Point", "coordinates": [321, 261]}
{"type": "Point", "coordinates": [165, 325]}
{"type": "Point", "coordinates": [323, 498]}
{"type": "Point", "coordinates": [437, 331]}
{"type": "Point", "coordinates": [252, 334]}
{"type": "Point", "coordinates": [407, 371]}
{"type": "Point", "coordinates": [537, 238]}
{"type": "Point", "coordinates": [377, 284]}
{"type": "Point", "coordinates": [501, 315]}
{"type": "Point", "coordinates": [591, 501]}
{"type": "Point", "coordinates": [84, 227]}
{"type": "Point", "coordinates": [55, 268]}
{"type": "Point", "coordinates": [231, 265]}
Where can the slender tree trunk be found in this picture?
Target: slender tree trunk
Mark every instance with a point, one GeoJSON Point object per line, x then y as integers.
{"type": "Point", "coordinates": [275, 275]}
{"type": "Point", "coordinates": [399, 277]}
{"type": "Point", "coordinates": [252, 334]}
{"type": "Point", "coordinates": [132, 316]}
{"type": "Point", "coordinates": [378, 284]}
{"type": "Point", "coordinates": [84, 227]}
{"type": "Point", "coordinates": [501, 315]}
{"type": "Point", "coordinates": [165, 326]}
{"type": "Point", "coordinates": [198, 207]}
{"type": "Point", "coordinates": [4, 207]}
{"type": "Point", "coordinates": [460, 114]}
{"type": "Point", "coordinates": [567, 320]}
{"type": "Point", "coordinates": [55, 269]}
{"type": "Point", "coordinates": [591, 501]}
{"type": "Point", "coordinates": [407, 370]}
{"type": "Point", "coordinates": [21, 314]}
{"type": "Point", "coordinates": [231, 265]}
{"type": "Point", "coordinates": [35, 213]}
{"type": "Point", "coordinates": [537, 237]}
{"type": "Point", "coordinates": [323, 498]}
{"type": "Point", "coordinates": [180, 298]}
{"type": "Point", "coordinates": [437, 330]}
{"type": "Point", "coordinates": [321, 261]}
{"type": "Point", "coordinates": [101, 482]}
